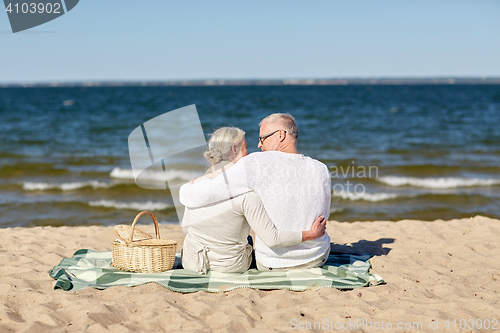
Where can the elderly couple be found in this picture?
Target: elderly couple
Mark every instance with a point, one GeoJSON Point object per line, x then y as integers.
{"type": "Point", "coordinates": [282, 195]}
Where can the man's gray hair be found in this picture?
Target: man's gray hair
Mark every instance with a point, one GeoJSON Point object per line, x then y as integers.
{"type": "Point", "coordinates": [284, 119]}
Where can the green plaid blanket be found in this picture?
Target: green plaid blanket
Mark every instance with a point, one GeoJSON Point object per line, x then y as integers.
{"type": "Point", "coordinates": [88, 268]}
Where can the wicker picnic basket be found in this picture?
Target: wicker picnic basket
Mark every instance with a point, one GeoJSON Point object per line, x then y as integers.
{"type": "Point", "coordinates": [137, 251]}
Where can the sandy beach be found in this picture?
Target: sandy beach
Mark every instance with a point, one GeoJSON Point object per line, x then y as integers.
{"type": "Point", "coordinates": [438, 273]}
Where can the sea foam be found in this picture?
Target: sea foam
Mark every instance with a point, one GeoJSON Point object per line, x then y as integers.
{"type": "Point", "coordinates": [155, 175]}
{"type": "Point", "coordinates": [149, 205]}
{"type": "Point", "coordinates": [437, 183]}
{"type": "Point", "coordinates": [30, 186]}
{"type": "Point", "coordinates": [374, 197]}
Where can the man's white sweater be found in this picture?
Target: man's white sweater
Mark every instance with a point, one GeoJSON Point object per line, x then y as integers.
{"type": "Point", "coordinates": [294, 189]}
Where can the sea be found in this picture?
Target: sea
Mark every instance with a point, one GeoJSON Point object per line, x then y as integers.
{"type": "Point", "coordinates": [394, 151]}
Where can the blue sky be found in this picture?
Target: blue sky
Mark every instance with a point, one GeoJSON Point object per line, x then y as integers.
{"type": "Point", "coordinates": [172, 40]}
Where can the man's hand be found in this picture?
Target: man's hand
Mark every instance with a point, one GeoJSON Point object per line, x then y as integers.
{"type": "Point", "coordinates": [192, 181]}
{"type": "Point", "coordinates": [318, 229]}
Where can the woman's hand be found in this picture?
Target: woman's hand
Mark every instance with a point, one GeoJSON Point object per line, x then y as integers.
{"type": "Point", "coordinates": [318, 229]}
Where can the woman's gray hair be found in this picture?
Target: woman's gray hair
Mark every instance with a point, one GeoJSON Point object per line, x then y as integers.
{"type": "Point", "coordinates": [284, 119]}
{"type": "Point", "coordinates": [221, 143]}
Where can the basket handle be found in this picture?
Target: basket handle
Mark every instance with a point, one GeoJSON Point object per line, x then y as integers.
{"type": "Point", "coordinates": [157, 229]}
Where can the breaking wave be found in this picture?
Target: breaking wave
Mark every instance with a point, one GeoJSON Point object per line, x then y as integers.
{"type": "Point", "coordinates": [374, 197]}
{"type": "Point", "coordinates": [154, 175]}
{"type": "Point", "coordinates": [31, 186]}
{"type": "Point", "coordinates": [149, 205]}
{"type": "Point", "coordinates": [437, 183]}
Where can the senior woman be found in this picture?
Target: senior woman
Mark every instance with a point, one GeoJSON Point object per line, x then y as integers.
{"type": "Point", "coordinates": [216, 235]}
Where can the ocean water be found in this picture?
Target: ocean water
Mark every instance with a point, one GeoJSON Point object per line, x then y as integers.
{"type": "Point", "coordinates": [394, 152]}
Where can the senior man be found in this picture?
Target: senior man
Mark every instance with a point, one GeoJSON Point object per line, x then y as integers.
{"type": "Point", "coordinates": [295, 190]}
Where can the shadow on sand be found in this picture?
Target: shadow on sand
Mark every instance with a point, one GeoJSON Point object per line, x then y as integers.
{"type": "Point", "coordinates": [373, 248]}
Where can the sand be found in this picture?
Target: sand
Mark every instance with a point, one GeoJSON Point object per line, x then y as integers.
{"type": "Point", "coordinates": [435, 271]}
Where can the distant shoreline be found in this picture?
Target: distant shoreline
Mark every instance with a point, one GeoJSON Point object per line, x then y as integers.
{"type": "Point", "coordinates": [257, 82]}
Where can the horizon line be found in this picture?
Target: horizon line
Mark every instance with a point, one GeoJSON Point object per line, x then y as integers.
{"type": "Point", "coordinates": [443, 80]}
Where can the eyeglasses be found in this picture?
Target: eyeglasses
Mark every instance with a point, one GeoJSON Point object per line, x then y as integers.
{"type": "Point", "coordinates": [262, 138]}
